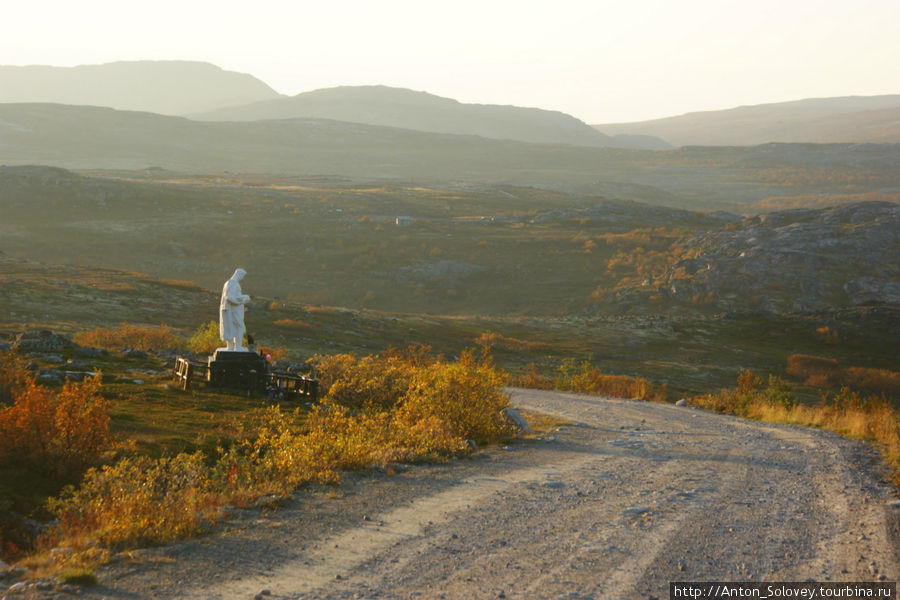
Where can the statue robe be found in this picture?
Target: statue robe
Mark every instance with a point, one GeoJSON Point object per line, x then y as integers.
{"type": "Point", "coordinates": [231, 310]}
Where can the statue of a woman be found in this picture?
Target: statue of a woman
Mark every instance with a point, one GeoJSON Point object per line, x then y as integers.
{"type": "Point", "coordinates": [231, 313]}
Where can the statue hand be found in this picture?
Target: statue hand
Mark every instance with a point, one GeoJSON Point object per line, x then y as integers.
{"type": "Point", "coordinates": [245, 298]}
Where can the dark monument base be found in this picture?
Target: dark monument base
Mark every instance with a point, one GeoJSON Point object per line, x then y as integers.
{"type": "Point", "coordinates": [240, 370]}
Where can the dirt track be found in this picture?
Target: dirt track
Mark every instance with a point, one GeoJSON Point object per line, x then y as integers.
{"type": "Point", "coordinates": [629, 497]}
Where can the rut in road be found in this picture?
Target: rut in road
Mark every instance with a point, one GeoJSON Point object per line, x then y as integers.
{"type": "Point", "coordinates": [631, 496]}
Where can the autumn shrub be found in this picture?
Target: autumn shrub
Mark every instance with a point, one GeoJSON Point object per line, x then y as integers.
{"type": "Point", "coordinates": [14, 377]}
{"type": "Point", "coordinates": [587, 379]}
{"type": "Point", "coordinates": [534, 380]}
{"type": "Point", "coordinates": [465, 396]}
{"type": "Point", "coordinates": [823, 372]}
{"type": "Point", "coordinates": [331, 367]}
{"type": "Point", "coordinates": [205, 339]}
{"type": "Point", "coordinates": [136, 502]}
{"type": "Point", "coordinates": [371, 383]}
{"type": "Point", "coordinates": [127, 335]}
{"type": "Point", "coordinates": [813, 369]}
{"type": "Point", "coordinates": [58, 432]}
{"type": "Point", "coordinates": [877, 381]}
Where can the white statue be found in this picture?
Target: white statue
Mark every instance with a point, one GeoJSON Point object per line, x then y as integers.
{"type": "Point", "coordinates": [231, 313]}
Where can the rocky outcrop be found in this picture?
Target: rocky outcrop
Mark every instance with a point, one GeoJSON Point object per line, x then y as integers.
{"type": "Point", "coordinates": [794, 261]}
{"type": "Point", "coordinates": [41, 341]}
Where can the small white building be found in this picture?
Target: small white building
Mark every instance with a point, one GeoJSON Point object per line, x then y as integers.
{"type": "Point", "coordinates": [403, 221]}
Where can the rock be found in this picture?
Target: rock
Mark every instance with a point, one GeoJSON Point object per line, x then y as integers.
{"type": "Point", "coordinates": [895, 504]}
{"type": "Point", "coordinates": [517, 419]}
{"type": "Point", "coordinates": [553, 484]}
{"type": "Point", "coordinates": [774, 262]}
{"type": "Point", "coordinates": [18, 587]}
{"type": "Point", "coordinates": [79, 375]}
{"type": "Point", "coordinates": [4, 347]}
{"type": "Point", "coordinates": [4, 569]}
{"type": "Point", "coordinates": [636, 511]}
{"type": "Point", "coordinates": [42, 341]}
{"type": "Point", "coordinates": [472, 445]}
{"type": "Point", "coordinates": [52, 358]}
{"type": "Point", "coordinates": [136, 354]}
{"type": "Point", "coordinates": [51, 377]}
{"type": "Point", "coordinates": [682, 402]}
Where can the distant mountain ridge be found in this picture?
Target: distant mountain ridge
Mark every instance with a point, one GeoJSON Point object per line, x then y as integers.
{"type": "Point", "coordinates": [850, 119]}
{"type": "Point", "coordinates": [421, 111]}
{"type": "Point", "coordinates": [164, 87]}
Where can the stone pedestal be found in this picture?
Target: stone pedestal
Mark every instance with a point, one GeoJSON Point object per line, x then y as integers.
{"type": "Point", "coordinates": [238, 370]}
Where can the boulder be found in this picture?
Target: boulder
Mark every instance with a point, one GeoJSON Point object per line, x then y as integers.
{"type": "Point", "coordinates": [517, 419]}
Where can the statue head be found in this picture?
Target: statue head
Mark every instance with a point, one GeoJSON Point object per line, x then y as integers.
{"type": "Point", "coordinates": [239, 274]}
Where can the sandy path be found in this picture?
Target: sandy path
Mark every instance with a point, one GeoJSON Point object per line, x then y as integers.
{"type": "Point", "coordinates": [629, 497]}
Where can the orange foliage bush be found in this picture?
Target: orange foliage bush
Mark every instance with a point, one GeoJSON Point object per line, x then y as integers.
{"type": "Point", "coordinates": [61, 432]}
{"type": "Point", "coordinates": [879, 381]}
{"type": "Point", "coordinates": [533, 380]}
{"type": "Point", "coordinates": [130, 336]}
{"type": "Point", "coordinates": [826, 372]}
{"type": "Point", "coordinates": [817, 368]}
{"type": "Point", "coordinates": [13, 377]}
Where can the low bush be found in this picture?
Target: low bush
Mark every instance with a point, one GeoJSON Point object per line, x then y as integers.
{"type": "Point", "coordinates": [587, 379]}
{"type": "Point", "coordinates": [127, 335]}
{"type": "Point", "coordinates": [824, 371]}
{"type": "Point", "coordinates": [817, 371]}
{"type": "Point", "coordinates": [534, 380]}
{"type": "Point", "coordinates": [136, 502]}
{"type": "Point", "coordinates": [205, 339]}
{"type": "Point", "coordinates": [58, 432]}
{"type": "Point", "coordinates": [465, 396]}
{"type": "Point", "coordinates": [14, 377]}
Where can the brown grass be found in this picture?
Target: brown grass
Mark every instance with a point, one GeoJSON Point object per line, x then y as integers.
{"type": "Point", "coordinates": [823, 372]}
{"type": "Point", "coordinates": [132, 336]}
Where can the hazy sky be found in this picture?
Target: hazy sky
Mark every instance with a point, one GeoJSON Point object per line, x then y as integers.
{"type": "Point", "coordinates": [600, 60]}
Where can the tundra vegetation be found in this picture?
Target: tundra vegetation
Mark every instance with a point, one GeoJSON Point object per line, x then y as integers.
{"type": "Point", "coordinates": [554, 289]}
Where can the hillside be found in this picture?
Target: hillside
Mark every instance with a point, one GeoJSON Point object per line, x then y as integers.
{"type": "Point", "coordinates": [746, 180]}
{"type": "Point", "coordinates": [466, 249]}
{"type": "Point", "coordinates": [165, 87]}
{"type": "Point", "coordinates": [787, 262]}
{"type": "Point", "coordinates": [420, 111]}
{"type": "Point", "coordinates": [860, 119]}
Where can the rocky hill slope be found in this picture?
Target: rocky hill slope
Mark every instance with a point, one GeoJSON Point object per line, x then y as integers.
{"type": "Point", "coordinates": [165, 87]}
{"type": "Point", "coordinates": [793, 261]}
{"type": "Point", "coordinates": [873, 119]}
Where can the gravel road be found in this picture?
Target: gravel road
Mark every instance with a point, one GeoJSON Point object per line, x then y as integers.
{"type": "Point", "coordinates": [629, 496]}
